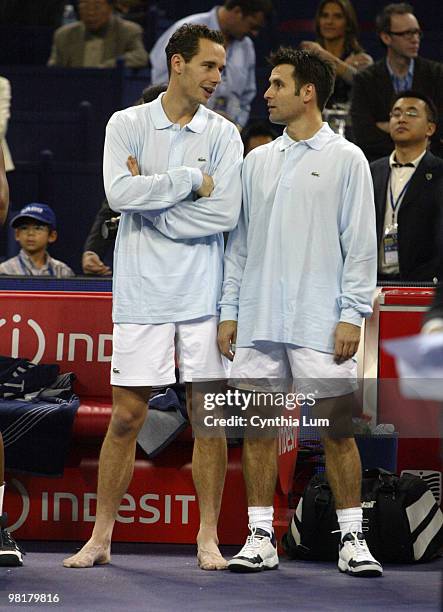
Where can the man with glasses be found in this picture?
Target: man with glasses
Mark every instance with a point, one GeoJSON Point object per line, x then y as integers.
{"type": "Point", "coordinates": [401, 69]}
{"type": "Point", "coordinates": [408, 191]}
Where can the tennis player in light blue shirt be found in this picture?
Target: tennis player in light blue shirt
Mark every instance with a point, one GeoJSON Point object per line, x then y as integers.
{"type": "Point", "coordinates": [172, 169]}
{"type": "Point", "coordinates": [300, 273]}
{"type": "Point", "coordinates": [301, 258]}
{"type": "Point", "coordinates": [238, 20]}
{"type": "Point", "coordinates": [169, 249]}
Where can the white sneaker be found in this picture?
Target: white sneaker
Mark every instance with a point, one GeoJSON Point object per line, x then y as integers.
{"type": "Point", "coordinates": [354, 557]}
{"type": "Point", "coordinates": [258, 554]}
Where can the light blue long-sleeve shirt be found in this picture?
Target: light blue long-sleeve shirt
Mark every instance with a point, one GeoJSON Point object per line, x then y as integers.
{"type": "Point", "coordinates": [168, 257]}
{"type": "Point", "coordinates": [238, 86]}
{"type": "Point", "coordinates": [304, 254]}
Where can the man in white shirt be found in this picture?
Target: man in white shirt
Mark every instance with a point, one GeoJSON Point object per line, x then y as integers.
{"type": "Point", "coordinates": [300, 271]}
{"type": "Point", "coordinates": [238, 20]}
{"type": "Point", "coordinates": [408, 189]}
{"type": "Point", "coordinates": [168, 262]}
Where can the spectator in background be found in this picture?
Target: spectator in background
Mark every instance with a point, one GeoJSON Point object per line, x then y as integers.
{"type": "Point", "coordinates": [98, 40]}
{"type": "Point", "coordinates": [401, 69]}
{"type": "Point", "coordinates": [34, 229]}
{"type": "Point", "coordinates": [96, 246]}
{"type": "Point", "coordinates": [408, 191]}
{"type": "Point", "coordinates": [237, 20]}
{"type": "Point", "coordinates": [336, 28]}
{"type": "Point", "coordinates": [257, 133]}
{"type": "Point", "coordinates": [5, 113]}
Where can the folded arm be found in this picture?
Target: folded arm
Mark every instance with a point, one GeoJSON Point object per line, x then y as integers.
{"type": "Point", "coordinates": [127, 193]}
{"type": "Point", "coordinates": [211, 215]}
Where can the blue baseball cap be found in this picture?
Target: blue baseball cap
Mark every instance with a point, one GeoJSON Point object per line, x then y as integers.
{"type": "Point", "coordinates": [39, 212]}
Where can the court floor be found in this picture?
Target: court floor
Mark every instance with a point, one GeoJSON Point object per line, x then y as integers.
{"type": "Point", "coordinates": [163, 578]}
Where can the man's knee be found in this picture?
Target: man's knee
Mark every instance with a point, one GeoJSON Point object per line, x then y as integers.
{"type": "Point", "coordinates": [126, 423]}
{"type": "Point", "coordinates": [128, 412]}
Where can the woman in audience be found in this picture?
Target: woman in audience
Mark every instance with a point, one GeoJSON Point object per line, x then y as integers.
{"type": "Point", "coordinates": [336, 28]}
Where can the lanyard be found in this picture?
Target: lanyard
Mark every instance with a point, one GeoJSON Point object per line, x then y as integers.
{"type": "Point", "coordinates": [27, 271]}
{"type": "Point", "coordinates": [394, 204]}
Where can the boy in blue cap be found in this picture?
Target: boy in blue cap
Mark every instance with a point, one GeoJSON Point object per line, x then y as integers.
{"type": "Point", "coordinates": [34, 229]}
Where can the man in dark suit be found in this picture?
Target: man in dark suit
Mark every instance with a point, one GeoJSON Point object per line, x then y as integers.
{"type": "Point", "coordinates": [401, 69]}
{"type": "Point", "coordinates": [408, 190]}
{"type": "Point", "coordinates": [98, 39]}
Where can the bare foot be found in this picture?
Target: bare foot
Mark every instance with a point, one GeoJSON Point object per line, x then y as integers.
{"type": "Point", "coordinates": [209, 557]}
{"type": "Point", "coordinates": [90, 555]}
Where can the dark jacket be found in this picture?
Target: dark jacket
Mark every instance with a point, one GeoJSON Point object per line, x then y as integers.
{"type": "Point", "coordinates": [372, 94]}
{"type": "Point", "coordinates": [419, 216]}
{"type": "Point", "coordinates": [95, 241]}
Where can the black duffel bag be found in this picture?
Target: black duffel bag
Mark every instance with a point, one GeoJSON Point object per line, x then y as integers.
{"type": "Point", "coordinates": [402, 522]}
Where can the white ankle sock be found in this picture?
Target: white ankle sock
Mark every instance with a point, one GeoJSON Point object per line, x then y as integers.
{"type": "Point", "coordinates": [261, 517]}
{"type": "Point", "coordinates": [2, 492]}
{"type": "Point", "coordinates": [350, 519]}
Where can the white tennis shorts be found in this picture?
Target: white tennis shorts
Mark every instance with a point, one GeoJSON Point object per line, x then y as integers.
{"type": "Point", "coordinates": [144, 355]}
{"type": "Point", "coordinates": [311, 371]}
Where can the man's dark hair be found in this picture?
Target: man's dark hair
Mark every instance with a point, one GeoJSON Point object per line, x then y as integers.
{"type": "Point", "coordinates": [186, 41]}
{"type": "Point", "coordinates": [257, 128]}
{"type": "Point", "coordinates": [249, 7]}
{"type": "Point", "coordinates": [308, 68]}
{"type": "Point", "coordinates": [431, 109]}
{"type": "Point", "coordinates": [383, 19]}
